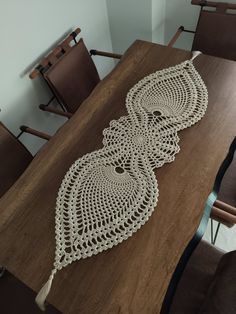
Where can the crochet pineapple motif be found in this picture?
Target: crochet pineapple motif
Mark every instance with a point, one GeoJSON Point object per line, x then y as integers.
{"type": "Point", "coordinates": [109, 194]}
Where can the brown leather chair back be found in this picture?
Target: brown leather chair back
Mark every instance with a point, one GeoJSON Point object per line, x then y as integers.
{"type": "Point", "coordinates": [14, 159]}
{"type": "Point", "coordinates": [73, 76]}
{"type": "Point", "coordinates": [196, 279]}
{"type": "Point", "coordinates": [215, 32]}
{"type": "Point", "coordinates": [207, 285]}
{"type": "Point", "coordinates": [220, 297]}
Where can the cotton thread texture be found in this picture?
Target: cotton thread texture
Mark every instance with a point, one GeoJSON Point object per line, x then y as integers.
{"type": "Point", "coordinates": [109, 194]}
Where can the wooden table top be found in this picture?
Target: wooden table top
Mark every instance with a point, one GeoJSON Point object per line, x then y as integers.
{"type": "Point", "coordinates": [132, 277]}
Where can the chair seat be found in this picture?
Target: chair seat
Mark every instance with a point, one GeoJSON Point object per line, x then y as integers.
{"type": "Point", "coordinates": [196, 279]}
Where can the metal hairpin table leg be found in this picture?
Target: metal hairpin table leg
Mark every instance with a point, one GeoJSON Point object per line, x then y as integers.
{"type": "Point", "coordinates": [216, 233]}
{"type": "Point", "coordinates": [214, 236]}
{"type": "Point", "coordinates": [212, 231]}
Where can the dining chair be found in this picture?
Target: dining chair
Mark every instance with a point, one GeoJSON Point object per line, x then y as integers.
{"type": "Point", "coordinates": [70, 73]}
{"type": "Point", "coordinates": [14, 159]}
{"type": "Point", "coordinates": [14, 156]}
{"type": "Point", "coordinates": [215, 31]}
{"type": "Point", "coordinates": [207, 285]}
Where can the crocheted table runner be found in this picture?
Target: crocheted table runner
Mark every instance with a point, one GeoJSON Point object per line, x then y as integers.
{"type": "Point", "coordinates": [109, 194]}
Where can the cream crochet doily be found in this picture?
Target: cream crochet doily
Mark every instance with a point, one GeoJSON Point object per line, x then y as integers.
{"type": "Point", "coordinates": [109, 194]}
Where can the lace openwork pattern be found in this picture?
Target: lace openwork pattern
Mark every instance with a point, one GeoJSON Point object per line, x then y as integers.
{"type": "Point", "coordinates": [109, 194]}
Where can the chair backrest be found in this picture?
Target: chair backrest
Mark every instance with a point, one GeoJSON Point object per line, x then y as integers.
{"type": "Point", "coordinates": [196, 279]}
{"type": "Point", "coordinates": [14, 159]}
{"type": "Point", "coordinates": [215, 32]}
{"type": "Point", "coordinates": [220, 297]}
{"type": "Point", "coordinates": [70, 72]}
{"type": "Point", "coordinates": [73, 76]}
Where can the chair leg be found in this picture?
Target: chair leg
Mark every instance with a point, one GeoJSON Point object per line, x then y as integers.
{"type": "Point", "coordinates": [19, 135]}
{"type": "Point", "coordinates": [56, 111]}
{"type": "Point", "coordinates": [54, 98]}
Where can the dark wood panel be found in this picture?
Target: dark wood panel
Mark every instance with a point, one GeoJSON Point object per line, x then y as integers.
{"type": "Point", "coordinates": [133, 276]}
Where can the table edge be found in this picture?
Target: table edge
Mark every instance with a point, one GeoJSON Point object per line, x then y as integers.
{"type": "Point", "coordinates": [193, 243]}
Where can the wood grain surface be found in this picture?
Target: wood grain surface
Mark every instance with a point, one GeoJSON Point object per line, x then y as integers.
{"type": "Point", "coordinates": [133, 276]}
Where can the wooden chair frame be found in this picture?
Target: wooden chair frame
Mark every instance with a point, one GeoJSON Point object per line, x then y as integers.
{"type": "Point", "coordinates": [220, 7]}
{"type": "Point", "coordinates": [26, 129]}
{"type": "Point", "coordinates": [52, 58]}
{"type": "Point", "coordinates": [224, 214]}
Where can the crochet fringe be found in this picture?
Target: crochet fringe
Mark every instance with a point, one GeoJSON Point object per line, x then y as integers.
{"type": "Point", "coordinates": [195, 54]}
{"type": "Point", "coordinates": [44, 291]}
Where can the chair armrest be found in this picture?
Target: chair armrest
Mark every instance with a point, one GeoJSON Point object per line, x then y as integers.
{"type": "Point", "coordinates": [226, 207]}
{"type": "Point", "coordinates": [223, 217]}
{"type": "Point", "coordinates": [56, 111]}
{"type": "Point", "coordinates": [94, 52]}
{"type": "Point", "coordinates": [176, 36]}
{"type": "Point", "coordinates": [220, 220]}
{"type": "Point", "coordinates": [42, 135]}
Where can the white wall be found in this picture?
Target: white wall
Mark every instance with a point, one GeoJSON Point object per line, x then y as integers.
{"type": "Point", "coordinates": [129, 20]}
{"type": "Point", "coordinates": [27, 29]}
{"type": "Point", "coordinates": [158, 21]}
{"type": "Point", "coordinates": [136, 19]}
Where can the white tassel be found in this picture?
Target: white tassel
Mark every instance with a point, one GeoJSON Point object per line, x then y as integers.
{"type": "Point", "coordinates": [44, 291]}
{"type": "Point", "coordinates": [195, 54]}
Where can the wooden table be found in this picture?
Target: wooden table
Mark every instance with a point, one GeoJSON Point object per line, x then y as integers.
{"type": "Point", "coordinates": [132, 277]}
